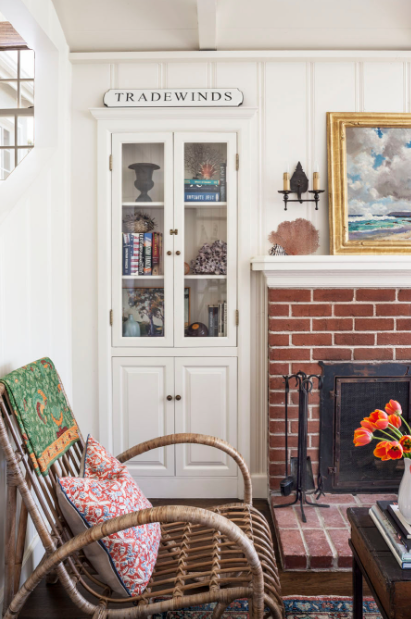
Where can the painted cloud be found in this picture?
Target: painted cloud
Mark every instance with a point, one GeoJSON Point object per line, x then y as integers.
{"type": "Point", "coordinates": [379, 171]}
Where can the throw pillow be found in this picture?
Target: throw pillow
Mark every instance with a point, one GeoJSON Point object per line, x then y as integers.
{"type": "Point", "coordinates": [124, 560]}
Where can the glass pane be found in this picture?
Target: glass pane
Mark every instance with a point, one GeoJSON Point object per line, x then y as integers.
{"type": "Point", "coordinates": [8, 64]}
{"type": "Point", "coordinates": [25, 130]}
{"type": "Point", "coordinates": [7, 163]}
{"type": "Point", "coordinates": [143, 173]}
{"type": "Point", "coordinates": [143, 310]}
{"type": "Point", "coordinates": [8, 95]}
{"type": "Point", "coordinates": [6, 131]}
{"type": "Point", "coordinates": [142, 240]}
{"type": "Point", "coordinates": [21, 153]}
{"type": "Point", "coordinates": [27, 94]}
{"type": "Point", "coordinates": [205, 243]}
{"type": "Point", "coordinates": [26, 63]}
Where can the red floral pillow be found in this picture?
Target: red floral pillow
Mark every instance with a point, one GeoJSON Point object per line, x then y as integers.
{"type": "Point", "coordinates": [124, 560]}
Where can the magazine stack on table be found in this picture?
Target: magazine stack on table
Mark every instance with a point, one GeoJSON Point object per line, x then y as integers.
{"type": "Point", "coordinates": [395, 531]}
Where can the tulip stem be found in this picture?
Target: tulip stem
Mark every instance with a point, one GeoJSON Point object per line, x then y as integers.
{"type": "Point", "coordinates": [395, 430]}
{"type": "Point", "coordinates": [406, 423]}
{"type": "Point", "coordinates": [386, 433]}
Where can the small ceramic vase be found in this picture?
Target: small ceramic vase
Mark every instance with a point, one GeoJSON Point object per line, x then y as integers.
{"type": "Point", "coordinates": [404, 493]}
{"type": "Point", "coordinates": [131, 328]}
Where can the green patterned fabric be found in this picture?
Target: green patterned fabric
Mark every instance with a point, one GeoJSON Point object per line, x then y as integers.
{"type": "Point", "coordinates": [42, 411]}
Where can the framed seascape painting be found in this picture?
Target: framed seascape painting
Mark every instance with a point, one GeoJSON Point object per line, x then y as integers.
{"type": "Point", "coordinates": [369, 180]}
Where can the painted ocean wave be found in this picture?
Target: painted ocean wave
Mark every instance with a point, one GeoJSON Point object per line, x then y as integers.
{"type": "Point", "coordinates": [360, 227]}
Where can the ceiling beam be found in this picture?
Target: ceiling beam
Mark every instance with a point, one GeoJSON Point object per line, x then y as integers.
{"type": "Point", "coordinates": [207, 24]}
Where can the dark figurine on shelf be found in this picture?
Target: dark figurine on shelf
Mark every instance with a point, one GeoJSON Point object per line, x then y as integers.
{"type": "Point", "coordinates": [197, 329]}
{"type": "Point", "coordinates": [144, 179]}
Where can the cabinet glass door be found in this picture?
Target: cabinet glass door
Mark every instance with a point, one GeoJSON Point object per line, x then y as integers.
{"type": "Point", "coordinates": [205, 204]}
{"type": "Point", "coordinates": [142, 218]}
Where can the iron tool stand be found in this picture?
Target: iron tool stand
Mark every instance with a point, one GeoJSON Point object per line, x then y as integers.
{"type": "Point", "coordinates": [305, 386]}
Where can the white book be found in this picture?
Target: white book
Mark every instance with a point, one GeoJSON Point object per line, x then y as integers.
{"type": "Point", "coordinates": [396, 547]}
{"type": "Point", "coordinates": [401, 518]}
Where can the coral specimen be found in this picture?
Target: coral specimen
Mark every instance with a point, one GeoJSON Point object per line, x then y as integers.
{"type": "Point", "coordinates": [211, 259]}
{"type": "Point", "coordinates": [202, 160]}
{"type": "Point", "coordinates": [297, 237]}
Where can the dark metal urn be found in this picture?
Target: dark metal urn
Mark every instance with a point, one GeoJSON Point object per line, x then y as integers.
{"type": "Point", "coordinates": [144, 179]}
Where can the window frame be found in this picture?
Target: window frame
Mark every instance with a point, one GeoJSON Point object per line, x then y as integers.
{"type": "Point", "coordinates": [15, 113]}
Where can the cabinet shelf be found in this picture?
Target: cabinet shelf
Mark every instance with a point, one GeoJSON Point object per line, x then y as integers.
{"type": "Point", "coordinates": [143, 204]}
{"type": "Point", "coordinates": [205, 204]}
{"type": "Point", "coordinates": [205, 276]}
{"type": "Point", "coordinates": [143, 276]}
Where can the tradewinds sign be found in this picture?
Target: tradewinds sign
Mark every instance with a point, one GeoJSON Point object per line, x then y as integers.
{"type": "Point", "coordinates": [175, 97]}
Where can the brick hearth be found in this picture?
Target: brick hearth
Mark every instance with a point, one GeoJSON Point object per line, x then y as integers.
{"type": "Point", "coordinates": [322, 542]}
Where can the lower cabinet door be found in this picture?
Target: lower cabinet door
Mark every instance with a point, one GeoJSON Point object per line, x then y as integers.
{"type": "Point", "coordinates": [206, 403]}
{"type": "Point", "coordinates": [141, 411]}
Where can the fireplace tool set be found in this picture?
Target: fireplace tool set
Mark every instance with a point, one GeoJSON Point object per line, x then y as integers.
{"type": "Point", "coordinates": [301, 478]}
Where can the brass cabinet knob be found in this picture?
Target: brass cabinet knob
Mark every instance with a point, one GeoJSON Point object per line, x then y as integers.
{"type": "Point", "coordinates": [178, 253]}
{"type": "Point", "coordinates": [178, 397]}
{"type": "Point", "coordinates": [169, 253]}
{"type": "Point", "coordinates": [169, 397]}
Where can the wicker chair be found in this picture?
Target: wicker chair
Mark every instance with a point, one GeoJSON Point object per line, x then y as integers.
{"type": "Point", "coordinates": [205, 556]}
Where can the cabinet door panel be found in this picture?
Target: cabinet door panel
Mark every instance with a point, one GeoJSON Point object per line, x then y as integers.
{"type": "Point", "coordinates": [208, 405]}
{"type": "Point", "coordinates": [142, 411]}
{"type": "Point", "coordinates": [205, 262]}
{"type": "Point", "coordinates": [142, 267]}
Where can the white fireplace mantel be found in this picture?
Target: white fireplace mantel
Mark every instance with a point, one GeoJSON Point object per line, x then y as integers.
{"type": "Point", "coordinates": [335, 271]}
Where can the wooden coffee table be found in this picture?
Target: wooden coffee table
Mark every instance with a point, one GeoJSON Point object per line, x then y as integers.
{"type": "Point", "coordinates": [373, 560]}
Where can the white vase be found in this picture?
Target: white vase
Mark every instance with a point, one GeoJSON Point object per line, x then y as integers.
{"type": "Point", "coordinates": [404, 492]}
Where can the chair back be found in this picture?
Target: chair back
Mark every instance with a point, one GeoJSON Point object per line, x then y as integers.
{"type": "Point", "coordinates": [41, 440]}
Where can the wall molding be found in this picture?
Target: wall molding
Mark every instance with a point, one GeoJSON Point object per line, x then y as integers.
{"type": "Point", "coordinates": [241, 56]}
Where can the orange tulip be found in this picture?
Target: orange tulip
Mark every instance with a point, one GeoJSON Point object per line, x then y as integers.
{"type": "Point", "coordinates": [381, 450]}
{"type": "Point", "coordinates": [378, 419]}
{"type": "Point", "coordinates": [395, 451]}
{"type": "Point", "coordinates": [362, 436]}
{"type": "Point", "coordinates": [366, 423]}
{"type": "Point", "coordinates": [393, 408]}
{"type": "Point", "coordinates": [395, 420]}
{"type": "Point", "coordinates": [405, 443]}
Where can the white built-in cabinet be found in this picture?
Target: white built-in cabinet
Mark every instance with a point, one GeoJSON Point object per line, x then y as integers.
{"type": "Point", "coordinates": [174, 354]}
{"type": "Point", "coordinates": [155, 396]}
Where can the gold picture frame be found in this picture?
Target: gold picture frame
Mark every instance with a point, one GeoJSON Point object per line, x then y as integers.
{"type": "Point", "coordinates": [348, 233]}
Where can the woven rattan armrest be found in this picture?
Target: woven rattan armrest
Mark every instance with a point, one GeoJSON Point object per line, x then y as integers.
{"type": "Point", "coordinates": [200, 439]}
{"type": "Point", "coordinates": [165, 514]}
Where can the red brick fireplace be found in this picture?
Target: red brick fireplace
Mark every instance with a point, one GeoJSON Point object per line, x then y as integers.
{"type": "Point", "coordinates": [332, 309]}
{"type": "Point", "coordinates": [310, 325]}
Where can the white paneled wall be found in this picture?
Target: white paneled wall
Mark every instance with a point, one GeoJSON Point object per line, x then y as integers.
{"type": "Point", "coordinates": [292, 92]}
{"type": "Point", "coordinates": [35, 283]}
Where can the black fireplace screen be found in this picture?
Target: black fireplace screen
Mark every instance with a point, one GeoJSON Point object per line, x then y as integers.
{"type": "Point", "coordinates": [351, 392]}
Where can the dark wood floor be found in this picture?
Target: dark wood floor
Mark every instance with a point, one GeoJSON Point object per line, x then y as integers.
{"type": "Point", "coordinates": [52, 602]}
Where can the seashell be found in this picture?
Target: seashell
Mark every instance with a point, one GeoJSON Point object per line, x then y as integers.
{"type": "Point", "coordinates": [277, 250]}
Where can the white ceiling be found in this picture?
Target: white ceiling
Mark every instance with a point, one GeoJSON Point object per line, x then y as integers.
{"type": "Point", "coordinates": [161, 25]}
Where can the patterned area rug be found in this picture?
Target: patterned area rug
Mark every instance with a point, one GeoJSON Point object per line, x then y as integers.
{"type": "Point", "coordinates": [296, 608]}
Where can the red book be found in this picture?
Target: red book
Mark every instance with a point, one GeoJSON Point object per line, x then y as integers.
{"type": "Point", "coordinates": [156, 254]}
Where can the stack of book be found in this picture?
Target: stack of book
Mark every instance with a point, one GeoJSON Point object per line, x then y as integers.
{"type": "Point", "coordinates": [205, 189]}
{"type": "Point", "coordinates": [142, 253]}
{"type": "Point", "coordinates": [217, 320]}
{"type": "Point", "coordinates": [395, 531]}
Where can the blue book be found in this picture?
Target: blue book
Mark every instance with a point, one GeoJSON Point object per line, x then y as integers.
{"type": "Point", "coordinates": [201, 196]}
{"type": "Point", "coordinates": [127, 253]}
{"type": "Point", "coordinates": [201, 181]}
